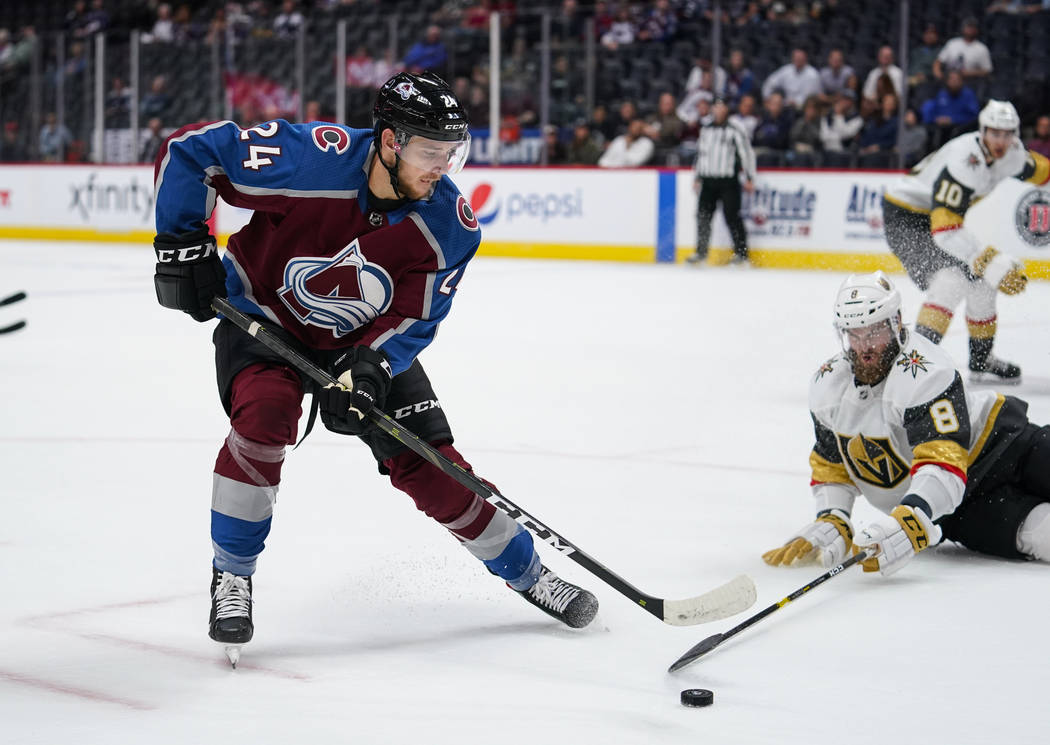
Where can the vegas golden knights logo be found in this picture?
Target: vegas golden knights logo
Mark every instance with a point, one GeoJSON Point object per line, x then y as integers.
{"type": "Point", "coordinates": [873, 460]}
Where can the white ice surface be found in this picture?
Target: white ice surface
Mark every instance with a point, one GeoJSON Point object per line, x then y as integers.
{"type": "Point", "coordinates": [654, 415]}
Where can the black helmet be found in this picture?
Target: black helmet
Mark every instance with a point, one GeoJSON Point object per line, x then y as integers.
{"type": "Point", "coordinates": [422, 105]}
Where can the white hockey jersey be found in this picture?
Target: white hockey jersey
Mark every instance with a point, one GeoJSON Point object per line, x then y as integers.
{"type": "Point", "coordinates": [917, 431]}
{"type": "Point", "coordinates": [947, 182]}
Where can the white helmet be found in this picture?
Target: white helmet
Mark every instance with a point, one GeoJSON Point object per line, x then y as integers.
{"type": "Point", "coordinates": [865, 300]}
{"type": "Point", "coordinates": [999, 115]}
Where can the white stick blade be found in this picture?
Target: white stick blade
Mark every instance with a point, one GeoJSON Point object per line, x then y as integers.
{"type": "Point", "coordinates": [731, 598]}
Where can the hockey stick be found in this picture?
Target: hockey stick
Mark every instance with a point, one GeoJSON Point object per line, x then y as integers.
{"type": "Point", "coordinates": [713, 641]}
{"type": "Point", "coordinates": [733, 597]}
{"type": "Point", "coordinates": [13, 298]}
{"type": "Point", "coordinates": [7, 301]}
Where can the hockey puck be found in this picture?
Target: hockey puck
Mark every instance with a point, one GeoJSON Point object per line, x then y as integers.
{"type": "Point", "coordinates": [697, 697]}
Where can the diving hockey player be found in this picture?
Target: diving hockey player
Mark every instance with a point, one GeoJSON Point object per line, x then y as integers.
{"type": "Point", "coordinates": [894, 422]}
{"type": "Point", "coordinates": [357, 244]}
{"type": "Point", "coordinates": [923, 219]}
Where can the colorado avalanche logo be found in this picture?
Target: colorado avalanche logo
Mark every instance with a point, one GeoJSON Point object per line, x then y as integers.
{"type": "Point", "coordinates": [466, 215]}
{"type": "Point", "coordinates": [406, 90]}
{"type": "Point", "coordinates": [483, 205]}
{"type": "Point", "coordinates": [327, 137]}
{"type": "Point", "coordinates": [341, 293]}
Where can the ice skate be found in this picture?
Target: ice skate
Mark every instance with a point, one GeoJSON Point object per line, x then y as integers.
{"type": "Point", "coordinates": [572, 605]}
{"type": "Point", "coordinates": [230, 623]}
{"type": "Point", "coordinates": [994, 370]}
{"type": "Point", "coordinates": [696, 259]}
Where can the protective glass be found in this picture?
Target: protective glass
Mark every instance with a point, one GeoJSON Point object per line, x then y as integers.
{"type": "Point", "coordinates": [433, 155]}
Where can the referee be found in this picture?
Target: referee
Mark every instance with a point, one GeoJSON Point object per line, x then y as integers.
{"type": "Point", "coordinates": [723, 151]}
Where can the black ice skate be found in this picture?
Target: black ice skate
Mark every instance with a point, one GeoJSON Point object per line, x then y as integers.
{"type": "Point", "coordinates": [572, 605]}
{"type": "Point", "coordinates": [231, 612]}
{"type": "Point", "coordinates": [696, 259]}
{"type": "Point", "coordinates": [994, 370]}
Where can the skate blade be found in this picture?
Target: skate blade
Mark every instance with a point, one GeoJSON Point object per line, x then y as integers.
{"type": "Point", "coordinates": [982, 378]}
{"type": "Point", "coordinates": [233, 653]}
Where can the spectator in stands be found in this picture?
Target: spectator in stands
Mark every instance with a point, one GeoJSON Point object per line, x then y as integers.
{"type": "Point", "coordinates": [603, 128]}
{"type": "Point", "coordinates": [665, 129]}
{"type": "Point", "coordinates": [630, 149]}
{"type": "Point", "coordinates": [878, 138]}
{"type": "Point", "coordinates": [773, 131]}
{"type": "Point", "coordinates": [20, 53]}
{"type": "Point", "coordinates": [287, 23]}
{"type": "Point", "coordinates": [429, 53]}
{"type": "Point", "coordinates": [568, 25]}
{"type": "Point", "coordinates": [913, 139]}
{"type": "Point", "coordinates": [705, 76]}
{"type": "Point", "coordinates": [157, 100]}
{"type": "Point", "coordinates": [836, 76]}
{"type": "Point", "coordinates": [54, 139]}
{"type": "Point", "coordinates": [118, 103]}
{"type": "Point", "coordinates": [150, 148]}
{"type": "Point", "coordinates": [884, 68]}
{"type": "Point", "coordinates": [584, 149]}
{"type": "Point", "coordinates": [745, 117]}
{"type": "Point", "coordinates": [621, 32]}
{"type": "Point", "coordinates": [804, 142]}
{"type": "Point", "coordinates": [76, 19]}
{"type": "Point", "coordinates": [553, 148]}
{"type": "Point", "coordinates": [163, 29]}
{"type": "Point", "coordinates": [952, 111]}
{"type": "Point", "coordinates": [478, 106]}
{"type": "Point", "coordinates": [96, 19]}
{"type": "Point", "coordinates": [313, 112]}
{"type": "Point", "coordinates": [12, 149]}
{"type": "Point", "coordinates": [740, 81]}
{"type": "Point", "coordinates": [360, 69]}
{"type": "Point", "coordinates": [603, 19]}
{"type": "Point", "coordinates": [1040, 139]}
{"type": "Point", "coordinates": [626, 114]}
{"type": "Point", "coordinates": [386, 66]}
{"type": "Point", "coordinates": [659, 24]}
{"type": "Point", "coordinates": [920, 64]}
{"type": "Point", "coordinates": [967, 54]}
{"type": "Point", "coordinates": [839, 129]}
{"type": "Point", "coordinates": [797, 80]}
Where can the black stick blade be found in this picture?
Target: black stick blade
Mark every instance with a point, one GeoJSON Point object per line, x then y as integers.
{"type": "Point", "coordinates": [13, 298]}
{"type": "Point", "coordinates": [13, 327]}
{"type": "Point", "coordinates": [697, 652]}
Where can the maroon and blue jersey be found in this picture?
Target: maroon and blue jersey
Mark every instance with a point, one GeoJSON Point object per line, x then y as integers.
{"type": "Point", "coordinates": [316, 258]}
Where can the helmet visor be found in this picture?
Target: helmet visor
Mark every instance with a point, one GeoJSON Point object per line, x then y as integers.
{"type": "Point", "coordinates": [436, 156]}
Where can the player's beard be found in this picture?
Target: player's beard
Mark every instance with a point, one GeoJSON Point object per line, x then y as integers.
{"type": "Point", "coordinates": [871, 372]}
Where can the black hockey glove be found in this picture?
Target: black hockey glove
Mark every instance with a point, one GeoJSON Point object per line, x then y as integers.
{"type": "Point", "coordinates": [364, 380]}
{"type": "Point", "coordinates": [189, 273]}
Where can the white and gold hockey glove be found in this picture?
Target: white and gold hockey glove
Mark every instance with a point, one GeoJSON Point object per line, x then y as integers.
{"type": "Point", "coordinates": [901, 535]}
{"type": "Point", "coordinates": [828, 539]}
{"type": "Point", "coordinates": [1001, 271]}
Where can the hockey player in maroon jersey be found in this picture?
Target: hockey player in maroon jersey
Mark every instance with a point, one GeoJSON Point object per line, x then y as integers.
{"type": "Point", "coordinates": [895, 423]}
{"type": "Point", "coordinates": [356, 246]}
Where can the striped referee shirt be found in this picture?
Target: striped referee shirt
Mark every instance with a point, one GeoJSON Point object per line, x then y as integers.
{"type": "Point", "coordinates": [723, 151]}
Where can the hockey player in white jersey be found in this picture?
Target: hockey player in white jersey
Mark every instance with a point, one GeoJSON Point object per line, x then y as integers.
{"type": "Point", "coordinates": [923, 216]}
{"type": "Point", "coordinates": [895, 423]}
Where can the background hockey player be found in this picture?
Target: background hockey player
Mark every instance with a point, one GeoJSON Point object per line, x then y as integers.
{"type": "Point", "coordinates": [894, 422]}
{"type": "Point", "coordinates": [356, 246]}
{"type": "Point", "coordinates": [923, 217]}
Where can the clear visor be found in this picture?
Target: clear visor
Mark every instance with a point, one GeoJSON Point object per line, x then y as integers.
{"type": "Point", "coordinates": [436, 156]}
{"type": "Point", "coordinates": [867, 337]}
{"type": "Point", "coordinates": [1000, 137]}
